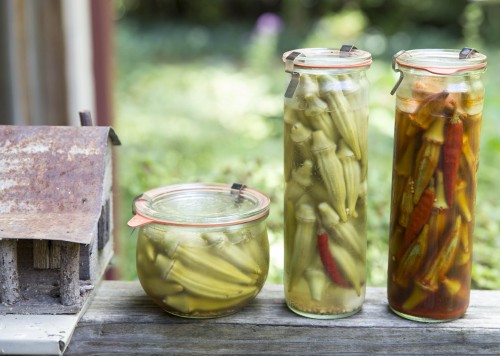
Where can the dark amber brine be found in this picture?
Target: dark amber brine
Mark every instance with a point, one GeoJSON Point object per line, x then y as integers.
{"type": "Point", "coordinates": [439, 107]}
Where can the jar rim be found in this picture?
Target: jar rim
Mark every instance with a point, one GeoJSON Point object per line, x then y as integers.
{"type": "Point", "coordinates": [441, 61]}
{"type": "Point", "coordinates": [199, 205]}
{"type": "Point", "coordinates": [329, 58]}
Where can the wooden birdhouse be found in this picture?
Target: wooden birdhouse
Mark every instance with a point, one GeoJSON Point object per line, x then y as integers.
{"type": "Point", "coordinates": [55, 216]}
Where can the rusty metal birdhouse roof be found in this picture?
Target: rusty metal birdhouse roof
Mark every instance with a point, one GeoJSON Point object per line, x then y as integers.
{"type": "Point", "coordinates": [52, 181]}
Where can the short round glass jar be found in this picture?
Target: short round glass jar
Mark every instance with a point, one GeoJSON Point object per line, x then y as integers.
{"type": "Point", "coordinates": [203, 249]}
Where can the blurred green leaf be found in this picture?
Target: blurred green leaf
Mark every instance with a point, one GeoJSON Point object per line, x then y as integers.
{"type": "Point", "coordinates": [198, 103]}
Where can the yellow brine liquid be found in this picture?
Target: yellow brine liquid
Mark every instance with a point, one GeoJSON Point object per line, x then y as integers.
{"type": "Point", "coordinates": [203, 273]}
{"type": "Point", "coordinates": [326, 125]}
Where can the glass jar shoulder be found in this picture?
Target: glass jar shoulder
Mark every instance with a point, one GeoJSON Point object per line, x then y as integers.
{"type": "Point", "coordinates": [464, 91]}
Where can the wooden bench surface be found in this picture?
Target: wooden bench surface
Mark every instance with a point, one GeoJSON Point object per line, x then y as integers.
{"type": "Point", "coordinates": [121, 319]}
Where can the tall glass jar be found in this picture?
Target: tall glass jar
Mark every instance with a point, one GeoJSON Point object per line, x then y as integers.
{"type": "Point", "coordinates": [439, 106]}
{"type": "Point", "coordinates": [326, 122]}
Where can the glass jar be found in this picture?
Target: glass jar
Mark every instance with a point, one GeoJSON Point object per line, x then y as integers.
{"type": "Point", "coordinates": [439, 106]}
{"type": "Point", "coordinates": [326, 122]}
{"type": "Point", "coordinates": [203, 249]}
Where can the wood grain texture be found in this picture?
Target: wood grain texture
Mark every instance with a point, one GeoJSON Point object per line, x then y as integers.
{"type": "Point", "coordinates": [55, 254]}
{"type": "Point", "coordinates": [41, 254]}
{"type": "Point", "coordinates": [122, 319]}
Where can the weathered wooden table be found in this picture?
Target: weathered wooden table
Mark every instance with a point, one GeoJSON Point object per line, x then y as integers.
{"type": "Point", "coordinates": [121, 319]}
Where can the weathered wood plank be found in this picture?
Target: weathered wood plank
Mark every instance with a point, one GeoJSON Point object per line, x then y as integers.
{"type": "Point", "coordinates": [122, 319]}
{"type": "Point", "coordinates": [55, 254]}
{"type": "Point", "coordinates": [41, 254]}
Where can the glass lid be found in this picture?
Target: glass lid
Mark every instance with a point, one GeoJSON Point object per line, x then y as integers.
{"type": "Point", "coordinates": [200, 204]}
{"type": "Point", "coordinates": [442, 61]}
{"type": "Point", "coordinates": [346, 57]}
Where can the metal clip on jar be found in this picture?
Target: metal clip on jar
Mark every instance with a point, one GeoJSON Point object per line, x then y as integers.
{"type": "Point", "coordinates": [203, 249]}
{"type": "Point", "coordinates": [436, 144]}
{"type": "Point", "coordinates": [326, 122]}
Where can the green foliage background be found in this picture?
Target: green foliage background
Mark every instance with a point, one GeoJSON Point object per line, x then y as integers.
{"type": "Point", "coordinates": [199, 97]}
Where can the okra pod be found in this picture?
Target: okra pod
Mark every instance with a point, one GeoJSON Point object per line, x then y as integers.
{"type": "Point", "coordinates": [352, 176]}
{"type": "Point", "coordinates": [331, 171]}
{"type": "Point", "coordinates": [304, 246]}
{"type": "Point", "coordinates": [301, 137]}
{"type": "Point", "coordinates": [341, 113]}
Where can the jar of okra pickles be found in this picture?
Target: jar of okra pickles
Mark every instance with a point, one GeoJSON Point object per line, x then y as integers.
{"type": "Point", "coordinates": [326, 122]}
{"type": "Point", "coordinates": [203, 249]}
{"type": "Point", "coordinates": [439, 103]}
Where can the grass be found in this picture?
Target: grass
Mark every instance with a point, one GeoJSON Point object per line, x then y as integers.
{"type": "Point", "coordinates": [210, 109]}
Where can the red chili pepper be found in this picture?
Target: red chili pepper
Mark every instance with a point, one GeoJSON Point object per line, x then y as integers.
{"type": "Point", "coordinates": [418, 218]}
{"type": "Point", "coordinates": [328, 262]}
{"type": "Point", "coordinates": [452, 149]}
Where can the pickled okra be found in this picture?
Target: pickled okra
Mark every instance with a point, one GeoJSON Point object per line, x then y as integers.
{"type": "Point", "coordinates": [325, 195]}
{"type": "Point", "coordinates": [202, 273]}
{"type": "Point", "coordinates": [434, 182]}
{"type": "Point", "coordinates": [202, 249]}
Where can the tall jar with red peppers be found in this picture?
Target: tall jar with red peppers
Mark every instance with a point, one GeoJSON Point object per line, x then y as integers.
{"type": "Point", "coordinates": [439, 103]}
{"type": "Point", "coordinates": [326, 122]}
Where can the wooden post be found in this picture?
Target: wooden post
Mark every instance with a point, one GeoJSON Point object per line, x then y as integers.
{"type": "Point", "coordinates": [103, 24]}
{"type": "Point", "coordinates": [70, 273]}
{"type": "Point", "coordinates": [102, 15]}
{"type": "Point", "coordinates": [86, 118]}
{"type": "Point", "coordinates": [9, 277]}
